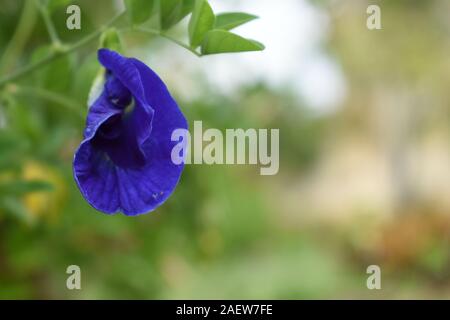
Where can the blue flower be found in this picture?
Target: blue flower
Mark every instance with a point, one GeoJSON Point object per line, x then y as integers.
{"type": "Point", "coordinates": [124, 162]}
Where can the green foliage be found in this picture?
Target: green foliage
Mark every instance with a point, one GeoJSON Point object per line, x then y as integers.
{"type": "Point", "coordinates": [61, 69]}
{"type": "Point", "coordinates": [111, 39]}
{"type": "Point", "coordinates": [139, 11]}
{"type": "Point", "coordinates": [222, 41]}
{"type": "Point", "coordinates": [171, 12]}
{"type": "Point", "coordinates": [43, 104]}
{"type": "Point", "coordinates": [14, 208]}
{"type": "Point", "coordinates": [54, 84]}
{"type": "Point", "coordinates": [231, 20]}
{"type": "Point", "coordinates": [201, 22]}
{"type": "Point", "coordinates": [21, 187]}
{"type": "Point", "coordinates": [188, 6]}
{"type": "Point", "coordinates": [168, 13]}
{"type": "Point", "coordinates": [226, 232]}
{"type": "Point", "coordinates": [11, 147]}
{"type": "Point", "coordinates": [53, 5]}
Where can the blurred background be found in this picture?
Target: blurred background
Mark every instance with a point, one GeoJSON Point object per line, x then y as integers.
{"type": "Point", "coordinates": [364, 119]}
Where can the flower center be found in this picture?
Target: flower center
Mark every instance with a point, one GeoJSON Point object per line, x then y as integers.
{"type": "Point", "coordinates": [117, 93]}
{"type": "Point", "coordinates": [112, 128]}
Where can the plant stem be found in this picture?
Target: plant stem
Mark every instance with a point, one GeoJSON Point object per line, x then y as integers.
{"type": "Point", "coordinates": [19, 38]}
{"type": "Point", "coordinates": [164, 35]}
{"type": "Point", "coordinates": [51, 96]}
{"type": "Point", "coordinates": [56, 54]}
{"type": "Point", "coordinates": [49, 24]}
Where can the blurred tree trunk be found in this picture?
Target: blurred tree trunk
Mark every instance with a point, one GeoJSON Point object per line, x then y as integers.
{"type": "Point", "coordinates": [397, 125]}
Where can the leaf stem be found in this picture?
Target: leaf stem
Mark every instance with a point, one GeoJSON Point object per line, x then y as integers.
{"type": "Point", "coordinates": [61, 51]}
{"type": "Point", "coordinates": [19, 37]}
{"type": "Point", "coordinates": [166, 36]}
{"type": "Point", "coordinates": [49, 24]}
{"type": "Point", "coordinates": [50, 96]}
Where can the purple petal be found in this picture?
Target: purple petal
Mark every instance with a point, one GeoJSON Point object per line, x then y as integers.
{"type": "Point", "coordinates": [124, 163]}
{"type": "Point", "coordinates": [123, 69]}
{"type": "Point", "coordinates": [96, 178]}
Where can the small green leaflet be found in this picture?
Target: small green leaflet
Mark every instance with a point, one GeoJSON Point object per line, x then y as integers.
{"type": "Point", "coordinates": [222, 41]}
{"type": "Point", "coordinates": [231, 20]}
{"type": "Point", "coordinates": [201, 22]}
{"type": "Point", "coordinates": [139, 11]}
{"type": "Point", "coordinates": [206, 30]}
{"type": "Point", "coordinates": [170, 12]}
{"type": "Point", "coordinates": [110, 39]}
{"type": "Point", "coordinates": [188, 6]}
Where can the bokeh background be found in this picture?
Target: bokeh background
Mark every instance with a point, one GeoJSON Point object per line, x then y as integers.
{"type": "Point", "coordinates": [364, 119]}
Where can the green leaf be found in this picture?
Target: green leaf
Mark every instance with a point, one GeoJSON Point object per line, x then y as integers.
{"type": "Point", "coordinates": [170, 12]}
{"type": "Point", "coordinates": [139, 11]}
{"type": "Point", "coordinates": [86, 73]}
{"type": "Point", "coordinates": [15, 208]}
{"type": "Point", "coordinates": [53, 5]}
{"type": "Point", "coordinates": [173, 11]}
{"type": "Point", "coordinates": [11, 151]}
{"type": "Point", "coordinates": [201, 22]}
{"type": "Point", "coordinates": [188, 6]}
{"type": "Point", "coordinates": [231, 20]}
{"type": "Point", "coordinates": [221, 41]}
{"type": "Point", "coordinates": [22, 187]}
{"type": "Point", "coordinates": [57, 75]}
{"type": "Point", "coordinates": [110, 39]}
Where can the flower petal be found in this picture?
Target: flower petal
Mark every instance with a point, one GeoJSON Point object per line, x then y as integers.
{"type": "Point", "coordinates": [124, 163]}
{"type": "Point", "coordinates": [167, 115]}
{"type": "Point", "coordinates": [125, 71]}
{"type": "Point", "coordinates": [99, 112]}
{"type": "Point", "coordinates": [145, 189]}
{"type": "Point", "coordinates": [122, 68]}
{"type": "Point", "coordinates": [96, 178]}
